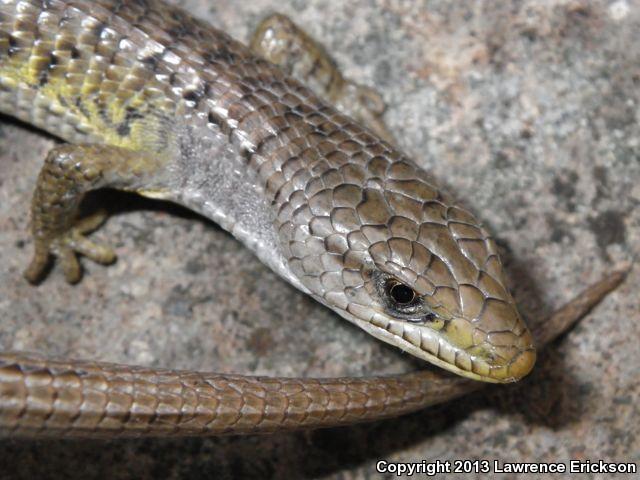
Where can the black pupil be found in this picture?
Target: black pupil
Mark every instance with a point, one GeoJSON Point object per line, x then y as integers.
{"type": "Point", "coordinates": [401, 293]}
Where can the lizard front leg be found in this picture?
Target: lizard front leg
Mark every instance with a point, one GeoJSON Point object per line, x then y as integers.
{"type": "Point", "coordinates": [68, 173]}
{"type": "Point", "coordinates": [282, 42]}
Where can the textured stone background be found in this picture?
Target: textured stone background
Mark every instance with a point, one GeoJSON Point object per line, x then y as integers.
{"type": "Point", "coordinates": [528, 110]}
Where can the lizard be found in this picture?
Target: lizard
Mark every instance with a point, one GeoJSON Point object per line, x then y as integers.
{"type": "Point", "coordinates": [151, 100]}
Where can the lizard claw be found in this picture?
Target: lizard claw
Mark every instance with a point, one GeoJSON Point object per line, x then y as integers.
{"type": "Point", "coordinates": [67, 247]}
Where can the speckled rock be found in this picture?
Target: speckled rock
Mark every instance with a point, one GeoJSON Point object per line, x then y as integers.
{"type": "Point", "coordinates": [527, 111]}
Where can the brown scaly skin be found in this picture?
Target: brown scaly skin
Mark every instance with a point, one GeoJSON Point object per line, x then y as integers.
{"type": "Point", "coordinates": [153, 101]}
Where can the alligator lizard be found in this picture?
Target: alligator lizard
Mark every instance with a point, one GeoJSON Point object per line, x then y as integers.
{"type": "Point", "coordinates": [154, 101]}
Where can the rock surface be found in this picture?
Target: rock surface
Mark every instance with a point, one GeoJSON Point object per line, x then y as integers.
{"type": "Point", "coordinates": [528, 111]}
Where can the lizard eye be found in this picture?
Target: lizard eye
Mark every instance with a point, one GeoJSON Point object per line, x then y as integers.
{"type": "Point", "coordinates": [403, 302]}
{"type": "Point", "coordinates": [400, 293]}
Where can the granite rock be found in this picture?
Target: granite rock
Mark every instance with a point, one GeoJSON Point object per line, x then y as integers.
{"type": "Point", "coordinates": [528, 111]}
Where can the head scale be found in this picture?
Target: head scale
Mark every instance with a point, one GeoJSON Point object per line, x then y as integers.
{"type": "Point", "coordinates": [375, 240]}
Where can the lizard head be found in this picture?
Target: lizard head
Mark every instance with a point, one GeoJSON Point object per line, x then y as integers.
{"type": "Point", "coordinates": [384, 248]}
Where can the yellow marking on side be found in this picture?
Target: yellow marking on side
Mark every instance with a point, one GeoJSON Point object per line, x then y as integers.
{"type": "Point", "coordinates": [146, 131]}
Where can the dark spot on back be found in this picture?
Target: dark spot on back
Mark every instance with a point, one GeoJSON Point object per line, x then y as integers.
{"type": "Point", "coordinates": [79, 105]}
{"type": "Point", "coordinates": [152, 61]}
{"type": "Point", "coordinates": [192, 96]}
{"type": "Point", "coordinates": [133, 114]}
{"type": "Point", "coordinates": [54, 61]}
{"type": "Point", "coordinates": [43, 78]}
{"type": "Point", "coordinates": [124, 129]}
{"type": "Point", "coordinates": [220, 54]}
{"type": "Point", "coordinates": [13, 45]}
{"type": "Point", "coordinates": [98, 29]}
{"type": "Point", "coordinates": [177, 32]}
{"type": "Point", "coordinates": [214, 119]}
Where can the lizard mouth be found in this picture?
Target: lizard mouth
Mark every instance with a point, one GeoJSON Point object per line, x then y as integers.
{"type": "Point", "coordinates": [510, 358]}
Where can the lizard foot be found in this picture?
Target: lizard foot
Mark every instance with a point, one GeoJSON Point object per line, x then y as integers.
{"type": "Point", "coordinates": [66, 248]}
